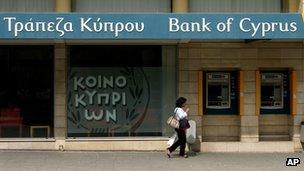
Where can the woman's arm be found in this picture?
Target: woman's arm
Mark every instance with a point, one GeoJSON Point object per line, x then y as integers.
{"type": "Point", "coordinates": [186, 110]}
{"type": "Point", "coordinates": [181, 113]}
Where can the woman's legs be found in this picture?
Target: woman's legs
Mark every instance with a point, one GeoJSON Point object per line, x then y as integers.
{"type": "Point", "coordinates": [182, 142]}
{"type": "Point", "coordinates": [181, 134]}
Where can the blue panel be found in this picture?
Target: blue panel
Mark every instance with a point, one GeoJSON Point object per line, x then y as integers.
{"type": "Point", "coordinates": [150, 26]}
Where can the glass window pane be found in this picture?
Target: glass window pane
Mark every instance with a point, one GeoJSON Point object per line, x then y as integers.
{"type": "Point", "coordinates": [28, 90]}
{"type": "Point", "coordinates": [115, 91]}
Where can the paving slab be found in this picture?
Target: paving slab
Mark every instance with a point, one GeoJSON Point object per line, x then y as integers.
{"type": "Point", "coordinates": [144, 161]}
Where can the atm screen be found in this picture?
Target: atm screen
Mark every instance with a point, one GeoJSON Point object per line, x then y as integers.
{"type": "Point", "coordinates": [218, 90]}
{"type": "Point", "coordinates": [272, 91]}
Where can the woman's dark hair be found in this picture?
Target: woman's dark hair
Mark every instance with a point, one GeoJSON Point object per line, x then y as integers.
{"type": "Point", "coordinates": [180, 101]}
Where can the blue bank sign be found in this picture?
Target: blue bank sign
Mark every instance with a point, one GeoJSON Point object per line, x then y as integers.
{"type": "Point", "coordinates": [150, 26]}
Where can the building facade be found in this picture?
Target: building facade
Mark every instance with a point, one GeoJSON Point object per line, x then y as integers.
{"type": "Point", "coordinates": [246, 95]}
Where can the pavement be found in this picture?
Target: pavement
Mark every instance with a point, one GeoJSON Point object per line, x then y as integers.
{"type": "Point", "coordinates": [144, 161]}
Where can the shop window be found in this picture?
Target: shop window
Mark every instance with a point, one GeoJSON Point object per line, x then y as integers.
{"type": "Point", "coordinates": [116, 91]}
{"type": "Point", "coordinates": [221, 92]}
{"type": "Point", "coordinates": [274, 92]}
{"type": "Point", "coordinates": [26, 90]}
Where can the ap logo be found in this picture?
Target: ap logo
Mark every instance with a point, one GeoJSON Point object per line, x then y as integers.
{"type": "Point", "coordinates": [292, 161]}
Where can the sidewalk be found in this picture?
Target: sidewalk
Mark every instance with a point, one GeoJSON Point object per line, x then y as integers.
{"type": "Point", "coordinates": [142, 161]}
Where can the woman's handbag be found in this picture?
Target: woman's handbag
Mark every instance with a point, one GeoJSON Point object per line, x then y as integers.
{"type": "Point", "coordinates": [173, 122]}
{"type": "Point", "coordinates": [184, 123]}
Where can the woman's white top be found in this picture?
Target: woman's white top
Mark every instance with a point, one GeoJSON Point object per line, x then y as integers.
{"type": "Point", "coordinates": [180, 113]}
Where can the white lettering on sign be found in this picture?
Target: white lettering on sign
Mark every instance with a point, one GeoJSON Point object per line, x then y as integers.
{"type": "Point", "coordinates": [175, 25]}
{"type": "Point", "coordinates": [93, 115]}
{"type": "Point", "coordinates": [253, 27]}
{"type": "Point", "coordinates": [90, 25]}
{"type": "Point", "coordinates": [90, 98]}
{"type": "Point", "coordinates": [99, 82]}
{"type": "Point", "coordinates": [91, 94]}
{"type": "Point", "coordinates": [245, 25]}
{"type": "Point", "coordinates": [59, 25]}
{"type": "Point", "coordinates": [265, 27]}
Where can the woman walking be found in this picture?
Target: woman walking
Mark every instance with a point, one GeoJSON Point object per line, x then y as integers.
{"type": "Point", "coordinates": [180, 114]}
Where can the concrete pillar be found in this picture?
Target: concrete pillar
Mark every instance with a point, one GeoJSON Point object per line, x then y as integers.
{"type": "Point", "coordinates": [295, 114]}
{"type": "Point", "coordinates": [301, 8]}
{"type": "Point", "coordinates": [63, 5]}
{"type": "Point", "coordinates": [180, 6]}
{"type": "Point", "coordinates": [60, 112]}
{"type": "Point", "coordinates": [168, 82]}
{"type": "Point", "coordinates": [250, 119]}
{"type": "Point", "coordinates": [294, 131]}
{"type": "Point", "coordinates": [298, 115]}
{"type": "Point", "coordinates": [60, 124]}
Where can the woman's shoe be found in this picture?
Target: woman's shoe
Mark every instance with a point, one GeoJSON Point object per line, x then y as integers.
{"type": "Point", "coordinates": [168, 153]}
{"type": "Point", "coordinates": [185, 156]}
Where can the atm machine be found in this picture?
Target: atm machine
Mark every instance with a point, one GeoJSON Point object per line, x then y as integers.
{"type": "Point", "coordinates": [272, 90]}
{"type": "Point", "coordinates": [218, 90]}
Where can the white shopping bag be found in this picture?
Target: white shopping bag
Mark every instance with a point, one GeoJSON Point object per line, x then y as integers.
{"type": "Point", "coordinates": [172, 140]}
{"type": "Point", "coordinates": [191, 132]}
